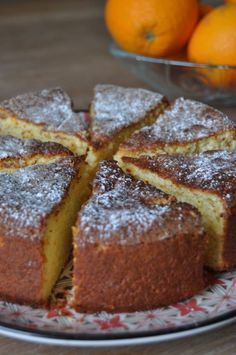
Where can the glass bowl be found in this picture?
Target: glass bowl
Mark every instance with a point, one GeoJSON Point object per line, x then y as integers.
{"type": "Point", "coordinates": [174, 78]}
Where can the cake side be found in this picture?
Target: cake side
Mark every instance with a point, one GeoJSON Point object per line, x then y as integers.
{"type": "Point", "coordinates": [187, 127]}
{"type": "Point", "coordinates": [206, 181]}
{"type": "Point", "coordinates": [138, 277]}
{"type": "Point", "coordinates": [38, 205]}
{"type": "Point", "coordinates": [129, 225]}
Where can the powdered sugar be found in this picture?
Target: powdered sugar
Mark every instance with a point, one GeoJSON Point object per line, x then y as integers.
{"type": "Point", "coordinates": [184, 121]}
{"type": "Point", "coordinates": [51, 107]}
{"type": "Point", "coordinates": [213, 170]}
{"type": "Point", "coordinates": [126, 211]}
{"type": "Point", "coordinates": [114, 108]}
{"type": "Point", "coordinates": [11, 147]}
{"type": "Point", "coordinates": [29, 195]}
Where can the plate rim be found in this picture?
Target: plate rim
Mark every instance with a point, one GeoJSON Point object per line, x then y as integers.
{"type": "Point", "coordinates": [35, 337]}
{"type": "Point", "coordinates": [115, 339]}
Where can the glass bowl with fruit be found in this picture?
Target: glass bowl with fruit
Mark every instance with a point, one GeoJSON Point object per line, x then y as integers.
{"type": "Point", "coordinates": [181, 48]}
{"type": "Point", "coordinates": [174, 78]}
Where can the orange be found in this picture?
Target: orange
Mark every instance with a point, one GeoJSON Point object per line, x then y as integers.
{"type": "Point", "coordinates": [230, 1]}
{"type": "Point", "coordinates": [204, 9]}
{"type": "Point", "coordinates": [151, 27]}
{"type": "Point", "coordinates": [214, 42]}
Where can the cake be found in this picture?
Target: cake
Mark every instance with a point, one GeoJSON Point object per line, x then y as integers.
{"type": "Point", "coordinates": [117, 112]}
{"type": "Point", "coordinates": [48, 115]}
{"type": "Point", "coordinates": [135, 247]}
{"type": "Point", "coordinates": [186, 127]}
{"type": "Point", "coordinates": [18, 153]}
{"type": "Point", "coordinates": [206, 181]}
{"type": "Point", "coordinates": [38, 206]}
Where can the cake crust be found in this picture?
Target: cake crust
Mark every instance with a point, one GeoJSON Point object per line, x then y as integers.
{"type": "Point", "coordinates": [125, 246]}
{"type": "Point", "coordinates": [29, 198]}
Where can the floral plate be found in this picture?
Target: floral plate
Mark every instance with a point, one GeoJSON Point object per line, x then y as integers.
{"type": "Point", "coordinates": [61, 325]}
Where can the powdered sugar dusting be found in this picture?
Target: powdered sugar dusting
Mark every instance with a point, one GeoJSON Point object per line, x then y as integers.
{"type": "Point", "coordinates": [184, 121]}
{"type": "Point", "coordinates": [28, 195]}
{"type": "Point", "coordinates": [51, 107]}
{"type": "Point", "coordinates": [11, 147]}
{"type": "Point", "coordinates": [114, 108]}
{"type": "Point", "coordinates": [126, 211]}
{"type": "Point", "coordinates": [213, 170]}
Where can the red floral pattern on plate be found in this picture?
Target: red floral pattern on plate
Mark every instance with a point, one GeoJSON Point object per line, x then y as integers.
{"type": "Point", "coordinates": [216, 300]}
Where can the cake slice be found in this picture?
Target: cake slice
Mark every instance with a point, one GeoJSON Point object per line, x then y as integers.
{"type": "Point", "coordinates": [206, 181]}
{"type": "Point", "coordinates": [135, 247]}
{"type": "Point", "coordinates": [117, 112]}
{"type": "Point", "coordinates": [17, 153]}
{"type": "Point", "coordinates": [185, 127]}
{"type": "Point", "coordinates": [46, 115]}
{"type": "Point", "coordinates": [38, 206]}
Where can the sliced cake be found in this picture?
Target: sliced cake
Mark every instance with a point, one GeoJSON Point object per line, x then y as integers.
{"type": "Point", "coordinates": [38, 206]}
{"type": "Point", "coordinates": [135, 247]}
{"type": "Point", "coordinates": [48, 115]}
{"type": "Point", "coordinates": [18, 153]}
{"type": "Point", "coordinates": [206, 181]}
{"type": "Point", "coordinates": [185, 127]}
{"type": "Point", "coordinates": [116, 112]}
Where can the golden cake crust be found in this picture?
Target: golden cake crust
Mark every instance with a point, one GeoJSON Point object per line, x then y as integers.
{"type": "Point", "coordinates": [126, 244]}
{"type": "Point", "coordinates": [28, 197]}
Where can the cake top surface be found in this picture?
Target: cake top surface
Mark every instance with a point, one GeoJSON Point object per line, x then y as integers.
{"type": "Point", "coordinates": [29, 195]}
{"type": "Point", "coordinates": [11, 147]}
{"type": "Point", "coordinates": [122, 210]}
{"type": "Point", "coordinates": [114, 108]}
{"type": "Point", "coordinates": [183, 121]}
{"type": "Point", "coordinates": [212, 171]}
{"type": "Point", "coordinates": [50, 107]}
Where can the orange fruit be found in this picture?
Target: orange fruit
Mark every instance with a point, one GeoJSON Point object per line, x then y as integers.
{"type": "Point", "coordinates": [151, 27]}
{"type": "Point", "coordinates": [204, 9]}
{"type": "Point", "coordinates": [230, 1]}
{"type": "Point", "coordinates": [214, 42]}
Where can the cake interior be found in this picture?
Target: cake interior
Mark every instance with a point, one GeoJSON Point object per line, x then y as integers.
{"type": "Point", "coordinates": [57, 240]}
{"type": "Point", "coordinates": [209, 205]}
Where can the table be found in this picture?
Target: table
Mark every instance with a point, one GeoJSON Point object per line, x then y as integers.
{"type": "Point", "coordinates": [48, 43]}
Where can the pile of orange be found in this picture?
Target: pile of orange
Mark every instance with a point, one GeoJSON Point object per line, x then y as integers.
{"type": "Point", "coordinates": [165, 28]}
